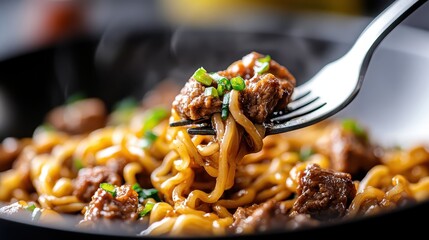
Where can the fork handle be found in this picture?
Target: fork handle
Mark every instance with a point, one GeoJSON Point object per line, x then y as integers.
{"type": "Point", "coordinates": [380, 27]}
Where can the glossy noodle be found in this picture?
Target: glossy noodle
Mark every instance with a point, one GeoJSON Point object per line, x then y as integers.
{"type": "Point", "coordinates": [239, 181]}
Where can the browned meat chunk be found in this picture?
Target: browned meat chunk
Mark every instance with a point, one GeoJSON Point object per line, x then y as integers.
{"type": "Point", "coordinates": [88, 181]}
{"type": "Point", "coordinates": [264, 93]}
{"type": "Point", "coordinates": [347, 151]}
{"type": "Point", "coordinates": [373, 205]}
{"type": "Point", "coordinates": [123, 206]}
{"type": "Point", "coordinates": [323, 194]}
{"type": "Point", "coordinates": [192, 104]}
{"type": "Point", "coordinates": [79, 117]}
{"type": "Point", "coordinates": [267, 216]}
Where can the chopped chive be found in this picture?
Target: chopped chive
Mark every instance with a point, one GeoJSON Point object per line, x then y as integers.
{"type": "Point", "coordinates": [221, 89]}
{"type": "Point", "coordinates": [265, 59]}
{"type": "Point", "coordinates": [126, 104]}
{"type": "Point", "coordinates": [146, 193]}
{"type": "Point", "coordinates": [225, 106]}
{"type": "Point", "coordinates": [262, 64]}
{"type": "Point", "coordinates": [211, 91]}
{"type": "Point", "coordinates": [148, 139]}
{"type": "Point", "coordinates": [76, 97]}
{"type": "Point", "coordinates": [201, 76]}
{"type": "Point", "coordinates": [353, 126]}
{"type": "Point", "coordinates": [262, 67]}
{"type": "Point", "coordinates": [154, 117]}
{"type": "Point", "coordinates": [77, 163]}
{"type": "Point", "coordinates": [147, 208]}
{"type": "Point", "coordinates": [305, 153]}
{"type": "Point", "coordinates": [238, 83]}
{"type": "Point", "coordinates": [110, 188]}
{"type": "Point", "coordinates": [216, 76]}
{"type": "Point", "coordinates": [30, 207]}
{"type": "Point", "coordinates": [36, 213]}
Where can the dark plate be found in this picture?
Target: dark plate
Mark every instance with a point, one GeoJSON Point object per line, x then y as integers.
{"type": "Point", "coordinates": [392, 103]}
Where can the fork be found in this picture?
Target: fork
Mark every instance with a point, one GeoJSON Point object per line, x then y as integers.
{"type": "Point", "coordinates": [335, 85]}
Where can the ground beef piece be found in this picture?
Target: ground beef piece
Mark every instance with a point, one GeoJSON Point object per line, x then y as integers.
{"type": "Point", "coordinates": [104, 205]}
{"type": "Point", "coordinates": [347, 151]}
{"type": "Point", "coordinates": [268, 216]}
{"type": "Point", "coordinates": [264, 93]}
{"type": "Point", "coordinates": [323, 193]}
{"type": "Point", "coordinates": [89, 179]}
{"type": "Point", "coordinates": [79, 117]}
{"type": "Point", "coordinates": [192, 104]}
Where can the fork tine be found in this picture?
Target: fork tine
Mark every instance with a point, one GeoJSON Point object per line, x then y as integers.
{"type": "Point", "coordinates": [298, 94]}
{"type": "Point", "coordinates": [185, 122]}
{"type": "Point", "coordinates": [314, 105]}
{"type": "Point", "coordinates": [201, 131]}
{"type": "Point", "coordinates": [302, 102]}
{"type": "Point", "coordinates": [298, 122]}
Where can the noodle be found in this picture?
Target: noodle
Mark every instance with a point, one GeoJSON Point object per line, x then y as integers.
{"type": "Point", "coordinates": [203, 182]}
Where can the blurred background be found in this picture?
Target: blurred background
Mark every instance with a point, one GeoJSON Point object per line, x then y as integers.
{"type": "Point", "coordinates": [50, 50]}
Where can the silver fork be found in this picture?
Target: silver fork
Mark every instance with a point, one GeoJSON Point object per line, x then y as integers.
{"type": "Point", "coordinates": [336, 84]}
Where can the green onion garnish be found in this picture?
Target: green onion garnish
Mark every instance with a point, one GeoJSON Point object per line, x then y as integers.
{"type": "Point", "coordinates": [216, 76]}
{"type": "Point", "coordinates": [262, 64]}
{"type": "Point", "coordinates": [225, 106]}
{"type": "Point", "coordinates": [147, 208]}
{"type": "Point", "coordinates": [201, 76]}
{"type": "Point", "coordinates": [35, 216]}
{"type": "Point", "coordinates": [211, 91]}
{"type": "Point", "coordinates": [146, 193]}
{"type": "Point", "coordinates": [77, 163]}
{"type": "Point", "coordinates": [238, 83]}
{"type": "Point", "coordinates": [126, 104]}
{"type": "Point", "coordinates": [75, 98]}
{"type": "Point", "coordinates": [265, 59]}
{"type": "Point", "coordinates": [305, 152]}
{"type": "Point", "coordinates": [148, 139]}
{"type": "Point", "coordinates": [353, 126]}
{"type": "Point", "coordinates": [30, 207]}
{"type": "Point", "coordinates": [153, 117]}
{"type": "Point", "coordinates": [221, 90]}
{"type": "Point", "coordinates": [110, 188]}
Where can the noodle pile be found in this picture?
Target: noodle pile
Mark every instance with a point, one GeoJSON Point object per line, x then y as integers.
{"type": "Point", "coordinates": [201, 180]}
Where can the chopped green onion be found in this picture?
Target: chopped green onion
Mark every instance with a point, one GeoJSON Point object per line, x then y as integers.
{"type": "Point", "coordinates": [146, 193]}
{"type": "Point", "coordinates": [216, 76]}
{"type": "Point", "coordinates": [201, 76]}
{"type": "Point", "coordinates": [262, 67]}
{"type": "Point", "coordinates": [211, 91]}
{"type": "Point", "coordinates": [262, 64]}
{"type": "Point", "coordinates": [154, 117]}
{"type": "Point", "coordinates": [136, 187]}
{"type": "Point", "coordinates": [110, 188]}
{"type": "Point", "coordinates": [225, 106]}
{"type": "Point", "coordinates": [46, 127]}
{"type": "Point", "coordinates": [128, 103]}
{"type": "Point", "coordinates": [30, 207]}
{"type": "Point", "coordinates": [76, 97]}
{"type": "Point", "coordinates": [147, 208]}
{"type": "Point", "coordinates": [221, 89]}
{"type": "Point", "coordinates": [148, 139]}
{"type": "Point", "coordinates": [353, 126]}
{"type": "Point", "coordinates": [265, 59]}
{"type": "Point", "coordinates": [305, 152]}
{"type": "Point", "coordinates": [77, 163]}
{"type": "Point", "coordinates": [35, 216]}
{"type": "Point", "coordinates": [238, 83]}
